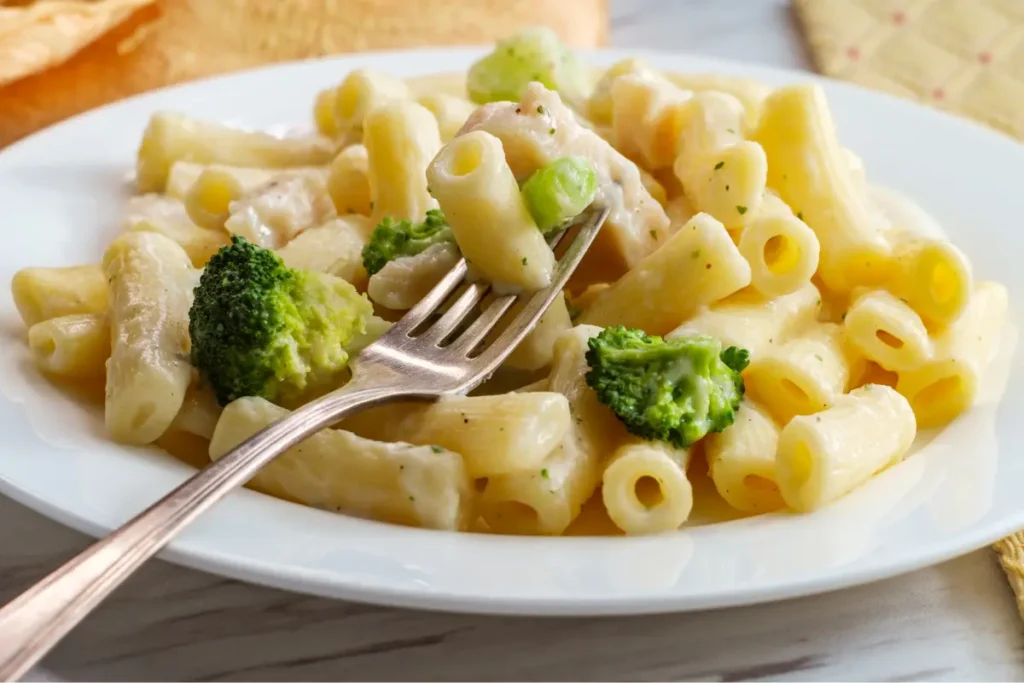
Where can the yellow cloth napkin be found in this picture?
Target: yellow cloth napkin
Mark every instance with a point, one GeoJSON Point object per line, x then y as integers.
{"type": "Point", "coordinates": [964, 56]}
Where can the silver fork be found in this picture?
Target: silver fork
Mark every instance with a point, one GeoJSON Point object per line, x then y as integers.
{"type": "Point", "coordinates": [416, 358]}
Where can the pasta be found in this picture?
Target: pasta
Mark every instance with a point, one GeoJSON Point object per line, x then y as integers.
{"type": "Point", "coordinates": [781, 250]}
{"type": "Point", "coordinates": [494, 230]}
{"type": "Point", "coordinates": [754, 323]}
{"type": "Point", "coordinates": [887, 331]}
{"type": "Point", "coordinates": [168, 217]}
{"type": "Point", "coordinates": [546, 500]}
{"type": "Point", "coordinates": [400, 138]}
{"type": "Point", "coordinates": [741, 461]}
{"type": "Point", "coordinates": [805, 375]}
{"type": "Point", "coordinates": [821, 457]}
{"type": "Point", "coordinates": [148, 372]}
{"type": "Point", "coordinates": [360, 92]}
{"type": "Point", "coordinates": [722, 174]}
{"type": "Point", "coordinates": [699, 265]}
{"type": "Point", "coordinates": [645, 489]}
{"type": "Point", "coordinates": [647, 119]}
{"type": "Point", "coordinates": [945, 386]}
{"type": "Point", "coordinates": [337, 470]}
{"type": "Point", "coordinates": [750, 302]}
{"type": "Point", "coordinates": [183, 175]}
{"type": "Point", "coordinates": [71, 346]}
{"type": "Point", "coordinates": [348, 183]}
{"type": "Point", "coordinates": [806, 166]}
{"type": "Point", "coordinates": [44, 293]}
{"type": "Point", "coordinates": [173, 137]}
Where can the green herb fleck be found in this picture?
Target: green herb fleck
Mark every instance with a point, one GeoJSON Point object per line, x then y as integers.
{"type": "Point", "coordinates": [524, 260]}
{"type": "Point", "coordinates": [695, 253]}
{"type": "Point", "coordinates": [551, 131]}
{"type": "Point", "coordinates": [719, 165]}
{"type": "Point", "coordinates": [820, 359]}
{"type": "Point", "coordinates": [731, 131]}
{"type": "Point", "coordinates": [800, 215]}
{"type": "Point", "coordinates": [741, 209]}
{"type": "Point", "coordinates": [437, 449]}
{"type": "Point", "coordinates": [544, 473]}
{"type": "Point", "coordinates": [540, 108]}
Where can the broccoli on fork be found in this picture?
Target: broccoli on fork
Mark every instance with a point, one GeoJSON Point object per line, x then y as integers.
{"type": "Point", "coordinates": [668, 390]}
{"type": "Point", "coordinates": [259, 328]}
{"type": "Point", "coordinates": [393, 239]}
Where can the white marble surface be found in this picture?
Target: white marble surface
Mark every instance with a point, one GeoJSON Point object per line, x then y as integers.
{"type": "Point", "coordinates": [955, 621]}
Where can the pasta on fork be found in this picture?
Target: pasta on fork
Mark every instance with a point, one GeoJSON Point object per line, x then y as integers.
{"type": "Point", "coordinates": [747, 305]}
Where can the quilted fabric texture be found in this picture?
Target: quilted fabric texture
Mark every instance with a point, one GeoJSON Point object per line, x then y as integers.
{"type": "Point", "coordinates": [964, 56]}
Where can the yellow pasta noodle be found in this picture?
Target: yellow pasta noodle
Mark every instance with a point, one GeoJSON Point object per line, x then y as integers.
{"type": "Point", "coordinates": [168, 217]}
{"type": "Point", "coordinates": [71, 346]}
{"type": "Point", "coordinates": [752, 322]}
{"type": "Point", "coordinates": [481, 200]}
{"type": "Point", "coordinates": [323, 113]}
{"type": "Point", "coordinates": [781, 250]}
{"type": "Point", "coordinates": [498, 434]}
{"type": "Point", "coordinates": [722, 174]}
{"type": "Point", "coordinates": [807, 168]}
{"type": "Point", "coordinates": [946, 386]}
{"type": "Point", "coordinates": [400, 138]}
{"type": "Point", "coordinates": [151, 281]}
{"type": "Point", "coordinates": [43, 293]}
{"type": "Point", "coordinates": [451, 112]}
{"type": "Point", "coordinates": [931, 275]}
{"type": "Point", "coordinates": [698, 266]}
{"type": "Point", "coordinates": [887, 331]}
{"type": "Point", "coordinates": [645, 489]}
{"type": "Point", "coordinates": [548, 499]}
{"type": "Point", "coordinates": [172, 137]}
{"type": "Point", "coordinates": [208, 201]}
{"type": "Point", "coordinates": [741, 461]}
{"type": "Point", "coordinates": [349, 181]}
{"type": "Point", "coordinates": [360, 93]}
{"type": "Point", "coordinates": [824, 456]}
{"type": "Point", "coordinates": [803, 376]}
{"type": "Point", "coordinates": [183, 175]}
{"type": "Point", "coordinates": [337, 470]}
{"type": "Point", "coordinates": [647, 119]}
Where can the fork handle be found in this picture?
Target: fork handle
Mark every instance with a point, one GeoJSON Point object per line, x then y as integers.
{"type": "Point", "coordinates": [36, 620]}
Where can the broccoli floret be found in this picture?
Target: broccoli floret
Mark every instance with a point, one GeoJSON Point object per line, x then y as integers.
{"type": "Point", "coordinates": [675, 391]}
{"type": "Point", "coordinates": [259, 328]}
{"type": "Point", "coordinates": [393, 239]}
{"type": "Point", "coordinates": [534, 54]}
{"type": "Point", "coordinates": [559, 191]}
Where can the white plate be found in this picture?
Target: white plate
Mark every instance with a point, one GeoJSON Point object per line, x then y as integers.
{"type": "Point", "coordinates": [60, 198]}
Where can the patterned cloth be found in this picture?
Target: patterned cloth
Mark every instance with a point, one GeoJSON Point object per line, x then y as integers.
{"type": "Point", "coordinates": [964, 56]}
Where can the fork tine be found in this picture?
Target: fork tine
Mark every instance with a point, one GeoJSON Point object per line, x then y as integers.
{"type": "Point", "coordinates": [536, 305]}
{"type": "Point", "coordinates": [455, 314]}
{"type": "Point", "coordinates": [428, 304]}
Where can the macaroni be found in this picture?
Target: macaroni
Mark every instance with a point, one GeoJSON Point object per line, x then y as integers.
{"type": "Point", "coordinates": [151, 282]}
{"type": "Point", "coordinates": [945, 386]}
{"type": "Point", "coordinates": [494, 230]}
{"type": "Point", "coordinates": [822, 457]}
{"type": "Point", "coordinates": [699, 264]}
{"type": "Point", "coordinates": [400, 138]}
{"type": "Point", "coordinates": [337, 470]}
{"type": "Point", "coordinates": [645, 489]}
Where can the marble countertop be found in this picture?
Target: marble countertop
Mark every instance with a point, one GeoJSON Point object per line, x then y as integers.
{"type": "Point", "coordinates": [954, 621]}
